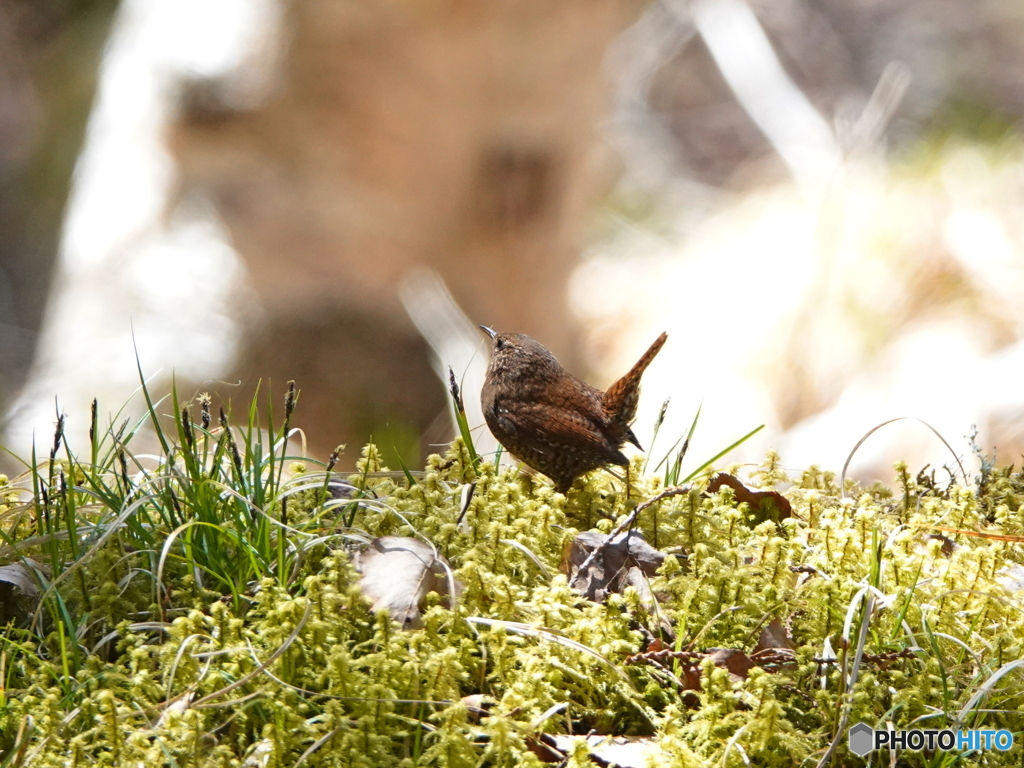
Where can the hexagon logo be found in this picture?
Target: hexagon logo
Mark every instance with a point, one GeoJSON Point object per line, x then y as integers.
{"type": "Point", "coordinates": [862, 739]}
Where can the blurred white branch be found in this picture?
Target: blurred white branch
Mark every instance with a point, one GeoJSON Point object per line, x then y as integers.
{"type": "Point", "coordinates": [867, 131]}
{"type": "Point", "coordinates": [634, 129]}
{"type": "Point", "coordinates": [455, 341]}
{"type": "Point", "coordinates": [749, 65]}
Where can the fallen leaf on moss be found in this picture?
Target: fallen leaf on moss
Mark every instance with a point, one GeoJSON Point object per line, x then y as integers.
{"type": "Point", "coordinates": [761, 503]}
{"type": "Point", "coordinates": [543, 746]}
{"type": "Point", "coordinates": [737, 662]}
{"type": "Point", "coordinates": [478, 705]}
{"type": "Point", "coordinates": [627, 560]}
{"type": "Point", "coordinates": [773, 636]}
{"type": "Point", "coordinates": [656, 644]}
{"type": "Point", "coordinates": [773, 651]}
{"type": "Point", "coordinates": [1011, 577]}
{"type": "Point", "coordinates": [604, 751]}
{"type": "Point", "coordinates": [19, 590]}
{"type": "Point", "coordinates": [20, 577]}
{"type": "Point", "coordinates": [398, 572]}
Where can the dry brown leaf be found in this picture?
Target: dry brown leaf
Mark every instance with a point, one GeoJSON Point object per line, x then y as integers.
{"type": "Point", "coordinates": [761, 503]}
{"type": "Point", "coordinates": [773, 636]}
{"type": "Point", "coordinates": [397, 574]}
{"type": "Point", "coordinates": [946, 545]}
{"type": "Point", "coordinates": [620, 751]}
{"type": "Point", "coordinates": [657, 644]}
{"type": "Point", "coordinates": [626, 560]}
{"type": "Point", "coordinates": [736, 661]}
{"type": "Point", "coordinates": [690, 678]}
{"type": "Point", "coordinates": [1011, 576]}
{"type": "Point", "coordinates": [20, 577]}
{"type": "Point", "coordinates": [478, 705]}
{"type": "Point", "coordinates": [19, 589]}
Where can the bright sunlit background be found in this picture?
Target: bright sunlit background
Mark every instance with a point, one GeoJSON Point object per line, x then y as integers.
{"type": "Point", "coordinates": [817, 199]}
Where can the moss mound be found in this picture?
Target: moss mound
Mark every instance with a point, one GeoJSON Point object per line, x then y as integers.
{"type": "Point", "coordinates": [201, 609]}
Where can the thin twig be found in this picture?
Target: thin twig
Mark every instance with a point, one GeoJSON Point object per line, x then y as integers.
{"type": "Point", "coordinates": [630, 519]}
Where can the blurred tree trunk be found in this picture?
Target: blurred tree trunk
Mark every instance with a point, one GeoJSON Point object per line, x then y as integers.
{"type": "Point", "coordinates": [49, 56]}
{"type": "Point", "coordinates": [457, 135]}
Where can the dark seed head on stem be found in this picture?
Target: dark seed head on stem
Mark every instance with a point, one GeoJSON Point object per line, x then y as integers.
{"type": "Point", "coordinates": [290, 398]}
{"type": "Point", "coordinates": [334, 457]}
{"type": "Point", "coordinates": [186, 426]}
{"type": "Point", "coordinates": [456, 392]}
{"type": "Point", "coordinates": [204, 410]}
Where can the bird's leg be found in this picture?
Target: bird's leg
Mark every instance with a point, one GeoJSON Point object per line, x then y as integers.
{"type": "Point", "coordinates": [629, 488]}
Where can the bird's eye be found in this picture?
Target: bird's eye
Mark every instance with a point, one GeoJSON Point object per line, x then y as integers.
{"type": "Point", "coordinates": [498, 343]}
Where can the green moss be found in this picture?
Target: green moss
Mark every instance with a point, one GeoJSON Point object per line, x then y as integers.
{"type": "Point", "coordinates": [254, 645]}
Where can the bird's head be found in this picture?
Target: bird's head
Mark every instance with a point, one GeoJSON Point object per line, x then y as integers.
{"type": "Point", "coordinates": [510, 348]}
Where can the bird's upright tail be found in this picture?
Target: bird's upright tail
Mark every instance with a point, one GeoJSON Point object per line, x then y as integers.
{"type": "Point", "coordinates": [621, 399]}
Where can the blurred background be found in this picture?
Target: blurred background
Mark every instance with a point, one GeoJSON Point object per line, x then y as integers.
{"type": "Point", "coordinates": [817, 199]}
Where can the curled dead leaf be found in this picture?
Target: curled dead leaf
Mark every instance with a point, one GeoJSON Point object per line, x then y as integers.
{"type": "Point", "coordinates": [544, 748]}
{"type": "Point", "coordinates": [19, 575]}
{"type": "Point", "coordinates": [625, 560]}
{"type": "Point", "coordinates": [737, 662]}
{"type": "Point", "coordinates": [478, 705]}
{"type": "Point", "coordinates": [656, 644]}
{"type": "Point", "coordinates": [603, 751]}
{"type": "Point", "coordinates": [1011, 577]}
{"type": "Point", "coordinates": [773, 636]}
{"type": "Point", "coordinates": [19, 589]}
{"type": "Point", "coordinates": [946, 545]}
{"type": "Point", "coordinates": [397, 573]}
{"type": "Point", "coordinates": [774, 651]}
{"type": "Point", "coordinates": [764, 505]}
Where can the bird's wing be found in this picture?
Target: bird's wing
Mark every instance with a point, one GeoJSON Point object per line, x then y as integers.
{"type": "Point", "coordinates": [551, 431]}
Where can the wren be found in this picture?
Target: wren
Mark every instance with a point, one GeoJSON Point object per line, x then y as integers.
{"type": "Point", "coordinates": [551, 420]}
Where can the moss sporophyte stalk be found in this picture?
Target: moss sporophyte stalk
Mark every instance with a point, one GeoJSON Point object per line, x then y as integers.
{"type": "Point", "coordinates": [202, 609]}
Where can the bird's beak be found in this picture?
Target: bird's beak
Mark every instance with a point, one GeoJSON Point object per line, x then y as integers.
{"type": "Point", "coordinates": [488, 331]}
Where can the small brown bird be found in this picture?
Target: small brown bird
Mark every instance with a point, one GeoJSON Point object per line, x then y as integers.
{"type": "Point", "coordinates": [552, 421]}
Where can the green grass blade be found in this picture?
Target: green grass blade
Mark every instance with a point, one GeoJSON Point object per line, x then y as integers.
{"type": "Point", "coordinates": [722, 453]}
